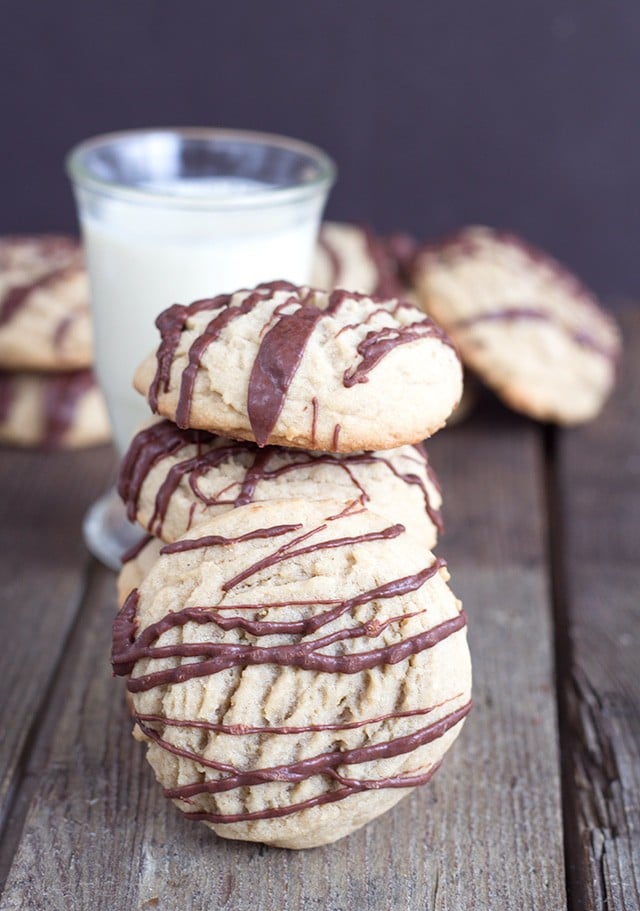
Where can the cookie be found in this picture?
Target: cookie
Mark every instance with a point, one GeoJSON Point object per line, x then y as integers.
{"type": "Point", "coordinates": [52, 410]}
{"type": "Point", "coordinates": [136, 564]}
{"type": "Point", "coordinates": [172, 479]}
{"type": "Point", "coordinates": [523, 322]}
{"type": "Point", "coordinates": [296, 668]}
{"type": "Point", "coordinates": [353, 257]}
{"type": "Point", "coordinates": [292, 366]}
{"type": "Point", "coordinates": [45, 322]}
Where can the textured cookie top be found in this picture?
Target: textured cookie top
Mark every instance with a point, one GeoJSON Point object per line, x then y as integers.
{"type": "Point", "coordinates": [45, 322]}
{"type": "Point", "coordinates": [528, 326]}
{"type": "Point", "coordinates": [172, 479]}
{"type": "Point", "coordinates": [294, 366]}
{"type": "Point", "coordinates": [291, 666]}
{"type": "Point", "coordinates": [61, 410]}
{"type": "Point", "coordinates": [353, 257]}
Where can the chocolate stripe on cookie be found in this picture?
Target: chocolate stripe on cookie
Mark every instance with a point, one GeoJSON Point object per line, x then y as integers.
{"type": "Point", "coordinates": [62, 395]}
{"type": "Point", "coordinates": [17, 296]}
{"type": "Point", "coordinates": [66, 324]}
{"type": "Point", "coordinates": [286, 729]}
{"type": "Point", "coordinates": [375, 345]}
{"type": "Point", "coordinates": [399, 781]}
{"type": "Point", "coordinates": [325, 764]}
{"type": "Point", "coordinates": [511, 314]}
{"type": "Point", "coordinates": [276, 362]}
{"type": "Point", "coordinates": [322, 764]}
{"type": "Point", "coordinates": [173, 322]}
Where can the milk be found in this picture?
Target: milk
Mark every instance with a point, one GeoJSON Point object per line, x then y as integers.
{"type": "Point", "coordinates": [143, 258]}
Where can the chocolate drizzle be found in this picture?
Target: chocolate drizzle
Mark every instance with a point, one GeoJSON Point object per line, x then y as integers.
{"type": "Point", "coordinates": [376, 344]}
{"type": "Point", "coordinates": [213, 331]}
{"type": "Point", "coordinates": [324, 763]}
{"type": "Point", "coordinates": [62, 396]}
{"type": "Point", "coordinates": [60, 258]}
{"type": "Point", "coordinates": [65, 325]}
{"type": "Point", "coordinates": [352, 786]}
{"type": "Point", "coordinates": [276, 362]}
{"type": "Point", "coordinates": [285, 729]}
{"type": "Point", "coordinates": [163, 440]}
{"type": "Point", "coordinates": [173, 322]}
{"type": "Point", "coordinates": [62, 393]}
{"type": "Point", "coordinates": [513, 314]}
{"type": "Point", "coordinates": [217, 656]}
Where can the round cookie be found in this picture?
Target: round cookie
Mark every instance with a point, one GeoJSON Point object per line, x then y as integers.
{"type": "Point", "coordinates": [295, 669]}
{"type": "Point", "coordinates": [52, 410]}
{"type": "Point", "coordinates": [45, 322]}
{"type": "Point", "coordinates": [352, 257]}
{"type": "Point", "coordinates": [292, 366]}
{"type": "Point", "coordinates": [525, 324]}
{"type": "Point", "coordinates": [172, 479]}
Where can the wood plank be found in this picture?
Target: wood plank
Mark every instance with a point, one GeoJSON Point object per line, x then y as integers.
{"type": "Point", "coordinates": [599, 479]}
{"type": "Point", "coordinates": [44, 497]}
{"type": "Point", "coordinates": [485, 834]}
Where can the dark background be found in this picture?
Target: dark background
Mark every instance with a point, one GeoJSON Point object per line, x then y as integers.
{"type": "Point", "coordinates": [516, 114]}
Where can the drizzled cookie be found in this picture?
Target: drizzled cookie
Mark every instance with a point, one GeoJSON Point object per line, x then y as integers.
{"type": "Point", "coordinates": [297, 367]}
{"type": "Point", "coordinates": [45, 323]}
{"type": "Point", "coordinates": [295, 668]}
{"type": "Point", "coordinates": [354, 257]}
{"type": "Point", "coordinates": [52, 410]}
{"type": "Point", "coordinates": [523, 322]}
{"type": "Point", "coordinates": [172, 479]}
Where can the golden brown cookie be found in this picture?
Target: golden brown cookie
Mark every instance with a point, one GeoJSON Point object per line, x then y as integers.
{"type": "Point", "coordinates": [522, 321]}
{"type": "Point", "coordinates": [136, 564]}
{"type": "Point", "coordinates": [45, 323]}
{"type": "Point", "coordinates": [353, 257]}
{"type": "Point", "coordinates": [296, 668]}
{"type": "Point", "coordinates": [292, 366]}
{"type": "Point", "coordinates": [52, 410]}
{"type": "Point", "coordinates": [172, 479]}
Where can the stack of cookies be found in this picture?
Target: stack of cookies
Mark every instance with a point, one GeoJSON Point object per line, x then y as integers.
{"type": "Point", "coordinates": [295, 659]}
{"type": "Point", "coordinates": [48, 395]}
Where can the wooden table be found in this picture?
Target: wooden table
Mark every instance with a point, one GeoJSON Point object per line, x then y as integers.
{"type": "Point", "coordinates": [536, 807]}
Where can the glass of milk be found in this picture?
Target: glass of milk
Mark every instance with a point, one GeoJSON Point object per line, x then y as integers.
{"type": "Point", "coordinates": [172, 215]}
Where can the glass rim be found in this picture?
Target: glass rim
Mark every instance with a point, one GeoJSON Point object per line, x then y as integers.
{"type": "Point", "coordinates": [81, 176]}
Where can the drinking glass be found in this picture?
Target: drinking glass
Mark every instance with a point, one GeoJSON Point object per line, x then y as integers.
{"type": "Point", "coordinates": [169, 216]}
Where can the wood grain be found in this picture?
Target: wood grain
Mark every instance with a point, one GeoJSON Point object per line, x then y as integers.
{"type": "Point", "coordinates": [599, 484]}
{"type": "Point", "coordinates": [41, 582]}
{"type": "Point", "coordinates": [485, 834]}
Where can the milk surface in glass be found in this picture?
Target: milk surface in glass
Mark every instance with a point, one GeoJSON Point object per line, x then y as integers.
{"type": "Point", "coordinates": [143, 258]}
